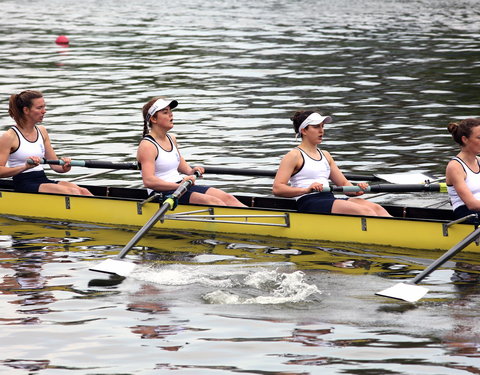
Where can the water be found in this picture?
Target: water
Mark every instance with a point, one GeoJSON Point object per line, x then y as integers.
{"type": "Point", "coordinates": [392, 74]}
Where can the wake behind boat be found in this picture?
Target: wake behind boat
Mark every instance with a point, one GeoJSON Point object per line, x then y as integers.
{"type": "Point", "coordinates": [410, 227]}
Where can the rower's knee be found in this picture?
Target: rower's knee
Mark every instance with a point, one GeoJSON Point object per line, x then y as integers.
{"type": "Point", "coordinates": [84, 191]}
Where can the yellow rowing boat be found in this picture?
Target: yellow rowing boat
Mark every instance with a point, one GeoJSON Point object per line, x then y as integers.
{"type": "Point", "coordinates": [414, 228]}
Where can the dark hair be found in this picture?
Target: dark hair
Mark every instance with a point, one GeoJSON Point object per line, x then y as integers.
{"type": "Point", "coordinates": [299, 117]}
{"type": "Point", "coordinates": [146, 107]}
{"type": "Point", "coordinates": [462, 129]}
{"type": "Point", "coordinates": [19, 101]}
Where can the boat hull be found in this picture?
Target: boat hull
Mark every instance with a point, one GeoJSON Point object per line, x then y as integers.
{"type": "Point", "coordinates": [414, 233]}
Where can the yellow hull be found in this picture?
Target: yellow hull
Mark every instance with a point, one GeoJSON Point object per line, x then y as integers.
{"type": "Point", "coordinates": [396, 232]}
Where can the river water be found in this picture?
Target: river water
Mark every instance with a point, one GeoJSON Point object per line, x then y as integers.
{"type": "Point", "coordinates": [393, 74]}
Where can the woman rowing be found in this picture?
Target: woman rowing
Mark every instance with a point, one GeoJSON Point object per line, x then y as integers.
{"type": "Point", "coordinates": [27, 140]}
{"type": "Point", "coordinates": [463, 171]}
{"type": "Point", "coordinates": [163, 167]}
{"type": "Point", "coordinates": [305, 170]}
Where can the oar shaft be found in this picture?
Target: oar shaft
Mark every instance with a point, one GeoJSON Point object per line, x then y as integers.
{"type": "Point", "coordinates": [390, 188]}
{"type": "Point", "coordinates": [272, 173]}
{"type": "Point", "coordinates": [167, 205]}
{"type": "Point", "coordinates": [445, 257]}
{"type": "Point", "coordinates": [92, 164]}
{"type": "Point", "coordinates": [264, 173]}
{"type": "Point", "coordinates": [241, 172]}
{"type": "Point", "coordinates": [150, 223]}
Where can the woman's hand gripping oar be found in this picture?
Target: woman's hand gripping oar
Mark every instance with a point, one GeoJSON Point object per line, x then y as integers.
{"type": "Point", "coordinates": [115, 265]}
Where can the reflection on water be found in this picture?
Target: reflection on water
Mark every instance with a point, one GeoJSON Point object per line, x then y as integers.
{"type": "Point", "coordinates": [198, 296]}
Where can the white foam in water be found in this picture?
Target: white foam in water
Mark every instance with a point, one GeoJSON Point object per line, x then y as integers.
{"type": "Point", "coordinates": [286, 287]}
{"type": "Point", "coordinates": [185, 275]}
{"type": "Point", "coordinates": [235, 284]}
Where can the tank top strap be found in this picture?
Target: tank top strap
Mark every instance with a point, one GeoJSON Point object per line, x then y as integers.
{"type": "Point", "coordinates": [20, 134]}
{"type": "Point", "coordinates": [305, 154]}
{"type": "Point", "coordinates": [464, 165]}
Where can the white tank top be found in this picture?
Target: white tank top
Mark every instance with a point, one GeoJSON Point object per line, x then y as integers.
{"type": "Point", "coordinates": [312, 170]}
{"type": "Point", "coordinates": [26, 149]}
{"type": "Point", "coordinates": [166, 162]}
{"type": "Point", "coordinates": [472, 180]}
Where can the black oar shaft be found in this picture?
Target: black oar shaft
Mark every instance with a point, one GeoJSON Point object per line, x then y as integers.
{"type": "Point", "coordinates": [241, 172]}
{"type": "Point", "coordinates": [244, 172]}
{"type": "Point", "coordinates": [209, 169]}
{"type": "Point", "coordinates": [167, 205]}
{"type": "Point", "coordinates": [388, 188]}
{"type": "Point", "coordinates": [150, 223]}
{"type": "Point", "coordinates": [110, 165]}
{"type": "Point", "coordinates": [92, 164]}
{"type": "Point", "coordinates": [272, 173]}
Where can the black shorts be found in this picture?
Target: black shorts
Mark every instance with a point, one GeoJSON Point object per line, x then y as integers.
{"type": "Point", "coordinates": [463, 211]}
{"type": "Point", "coordinates": [185, 198]}
{"type": "Point", "coordinates": [29, 182]}
{"type": "Point", "coordinates": [320, 203]}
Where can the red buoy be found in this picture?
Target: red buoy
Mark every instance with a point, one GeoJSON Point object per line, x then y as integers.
{"type": "Point", "coordinates": [62, 40]}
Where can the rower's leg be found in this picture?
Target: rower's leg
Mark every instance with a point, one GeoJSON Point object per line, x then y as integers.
{"type": "Point", "coordinates": [376, 208]}
{"type": "Point", "coordinates": [226, 198]}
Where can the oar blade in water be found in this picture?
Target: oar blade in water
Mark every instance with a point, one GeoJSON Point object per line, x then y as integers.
{"type": "Point", "coordinates": [404, 291]}
{"type": "Point", "coordinates": [114, 267]}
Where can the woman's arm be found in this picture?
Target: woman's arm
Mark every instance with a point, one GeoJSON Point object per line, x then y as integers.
{"type": "Point", "coordinates": [146, 154]}
{"type": "Point", "coordinates": [50, 153]}
{"type": "Point", "coordinates": [338, 178]}
{"type": "Point", "coordinates": [184, 167]}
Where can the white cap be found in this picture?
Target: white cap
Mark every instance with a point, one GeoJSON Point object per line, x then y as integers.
{"type": "Point", "coordinates": [159, 105]}
{"type": "Point", "coordinates": [314, 119]}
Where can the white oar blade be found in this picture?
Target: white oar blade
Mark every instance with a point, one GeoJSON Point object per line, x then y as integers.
{"type": "Point", "coordinates": [114, 267]}
{"type": "Point", "coordinates": [404, 291]}
{"type": "Point", "coordinates": [405, 178]}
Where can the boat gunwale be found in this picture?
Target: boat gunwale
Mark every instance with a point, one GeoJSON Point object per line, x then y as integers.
{"type": "Point", "coordinates": [139, 195]}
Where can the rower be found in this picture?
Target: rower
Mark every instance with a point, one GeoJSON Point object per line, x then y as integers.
{"type": "Point", "coordinates": [305, 170]}
{"type": "Point", "coordinates": [162, 163]}
{"type": "Point", "coordinates": [463, 171]}
{"type": "Point", "coordinates": [26, 141]}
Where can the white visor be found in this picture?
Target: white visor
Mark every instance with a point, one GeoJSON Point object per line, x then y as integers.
{"type": "Point", "coordinates": [159, 105]}
{"type": "Point", "coordinates": [314, 119]}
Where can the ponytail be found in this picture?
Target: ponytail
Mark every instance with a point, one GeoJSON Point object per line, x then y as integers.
{"type": "Point", "coordinates": [147, 123]}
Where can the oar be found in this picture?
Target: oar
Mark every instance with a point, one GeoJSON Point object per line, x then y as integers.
{"type": "Point", "coordinates": [416, 178]}
{"type": "Point", "coordinates": [390, 188]}
{"type": "Point", "coordinates": [115, 265]}
{"type": "Point", "coordinates": [91, 164]}
{"type": "Point", "coordinates": [411, 292]}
